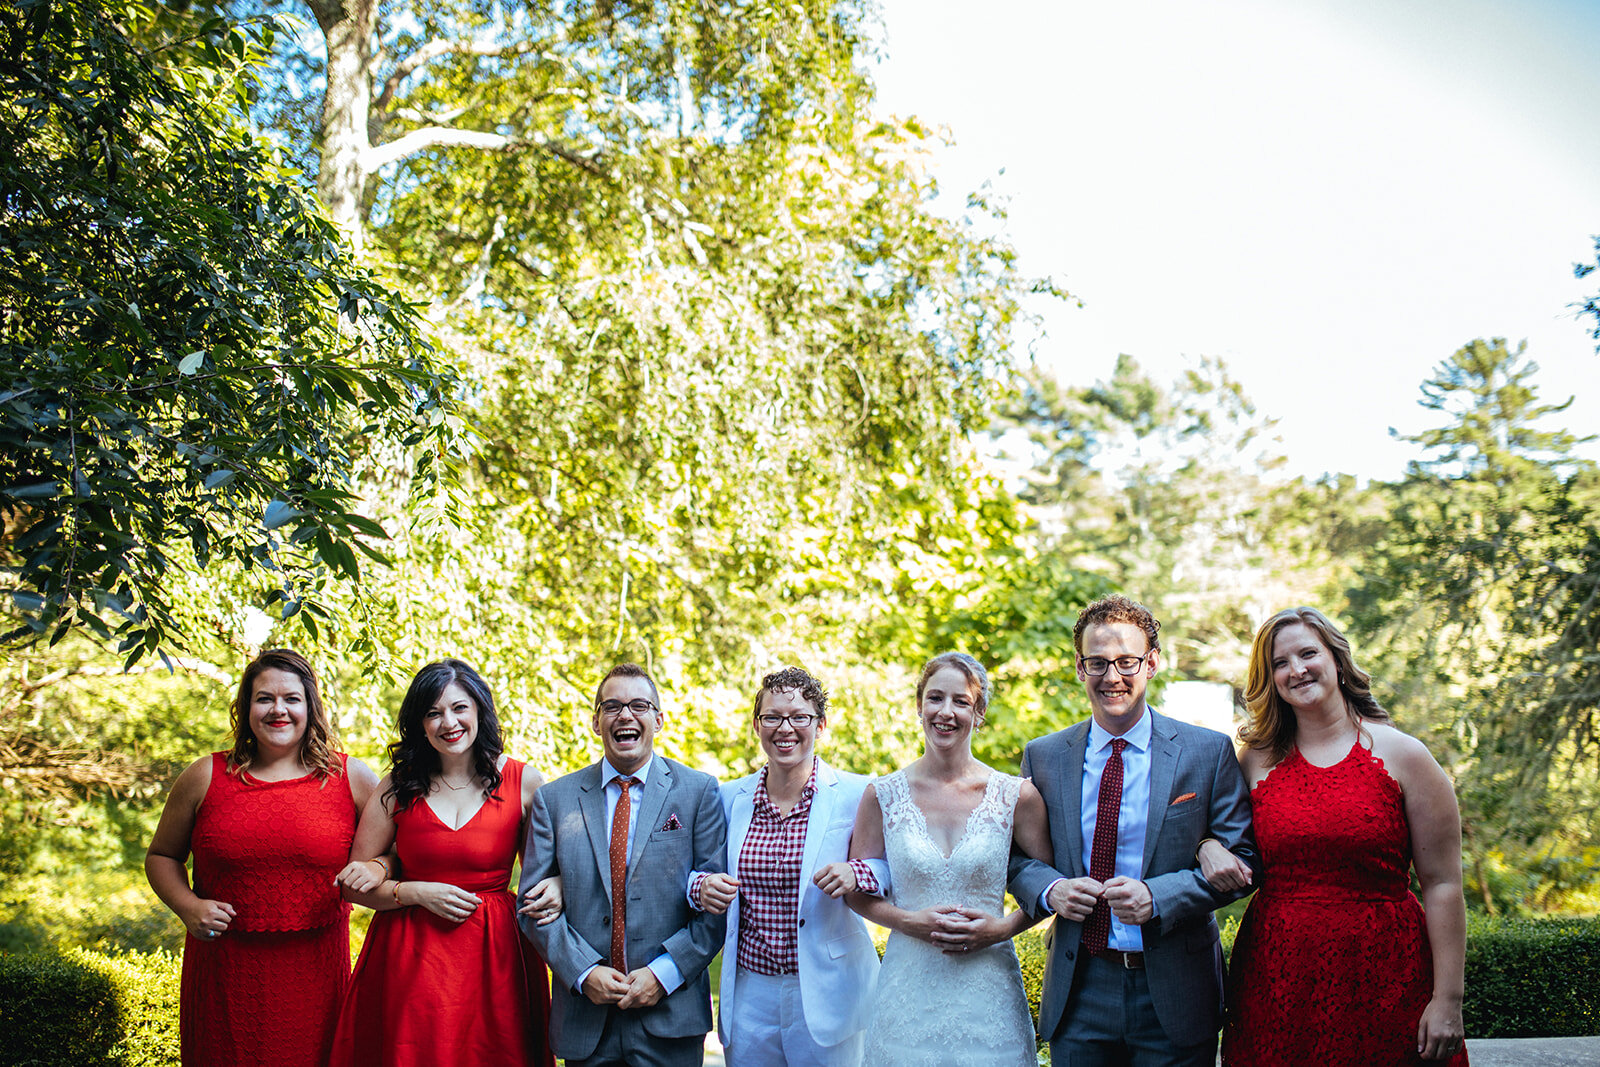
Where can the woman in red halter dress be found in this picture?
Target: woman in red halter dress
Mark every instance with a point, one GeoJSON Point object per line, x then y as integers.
{"type": "Point", "coordinates": [445, 976]}
{"type": "Point", "coordinates": [1336, 963]}
{"type": "Point", "coordinates": [269, 824]}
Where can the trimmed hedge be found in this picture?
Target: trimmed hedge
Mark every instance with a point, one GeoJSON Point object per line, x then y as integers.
{"type": "Point", "coordinates": [1533, 978]}
{"type": "Point", "coordinates": [1525, 977]}
{"type": "Point", "coordinates": [79, 1008]}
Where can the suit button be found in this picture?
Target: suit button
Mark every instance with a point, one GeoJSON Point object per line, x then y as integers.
{"type": "Point", "coordinates": [605, 920]}
{"type": "Point", "coordinates": [802, 922]}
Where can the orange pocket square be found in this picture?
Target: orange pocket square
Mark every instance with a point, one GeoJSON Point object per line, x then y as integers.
{"type": "Point", "coordinates": [1180, 800]}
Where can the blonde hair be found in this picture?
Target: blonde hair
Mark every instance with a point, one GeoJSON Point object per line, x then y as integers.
{"type": "Point", "coordinates": [1272, 723]}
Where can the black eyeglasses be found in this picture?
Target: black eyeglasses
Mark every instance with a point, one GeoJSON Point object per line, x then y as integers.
{"type": "Point", "coordinates": [612, 708]}
{"type": "Point", "coordinates": [799, 720]}
{"type": "Point", "coordinates": [1127, 666]}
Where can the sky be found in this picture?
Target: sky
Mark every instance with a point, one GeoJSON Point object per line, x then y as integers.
{"type": "Point", "coordinates": [1330, 195]}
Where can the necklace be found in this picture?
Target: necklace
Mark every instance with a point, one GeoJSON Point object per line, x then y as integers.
{"type": "Point", "coordinates": [451, 785]}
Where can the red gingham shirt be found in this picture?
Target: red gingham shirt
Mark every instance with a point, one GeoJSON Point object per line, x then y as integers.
{"type": "Point", "coordinates": [769, 881]}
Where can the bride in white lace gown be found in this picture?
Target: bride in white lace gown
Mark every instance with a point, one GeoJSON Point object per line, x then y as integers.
{"type": "Point", "coordinates": [950, 991]}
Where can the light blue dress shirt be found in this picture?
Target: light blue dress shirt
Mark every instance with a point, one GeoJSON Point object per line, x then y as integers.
{"type": "Point", "coordinates": [665, 970]}
{"type": "Point", "coordinates": [1134, 816]}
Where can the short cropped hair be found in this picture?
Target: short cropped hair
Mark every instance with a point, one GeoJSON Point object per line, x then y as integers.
{"type": "Point", "coordinates": [797, 680]}
{"type": "Point", "coordinates": [627, 670]}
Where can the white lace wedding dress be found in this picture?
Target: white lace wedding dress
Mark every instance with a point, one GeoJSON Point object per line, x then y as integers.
{"type": "Point", "coordinates": [960, 1009]}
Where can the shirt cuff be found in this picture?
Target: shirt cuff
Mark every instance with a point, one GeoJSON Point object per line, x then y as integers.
{"type": "Point", "coordinates": [1044, 898]}
{"type": "Point", "coordinates": [666, 973]}
{"type": "Point", "coordinates": [577, 987]}
{"type": "Point", "coordinates": [867, 880]}
{"type": "Point", "coordinates": [695, 878]}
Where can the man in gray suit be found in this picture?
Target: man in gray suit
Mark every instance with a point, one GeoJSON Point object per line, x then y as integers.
{"type": "Point", "coordinates": [1134, 966]}
{"type": "Point", "coordinates": [629, 953]}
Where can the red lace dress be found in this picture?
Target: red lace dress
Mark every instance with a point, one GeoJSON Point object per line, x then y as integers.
{"type": "Point", "coordinates": [267, 992]}
{"type": "Point", "coordinates": [428, 992]}
{"type": "Point", "coordinates": [1332, 965]}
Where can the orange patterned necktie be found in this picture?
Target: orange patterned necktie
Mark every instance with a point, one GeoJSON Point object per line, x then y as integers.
{"type": "Point", "coordinates": [1103, 853]}
{"type": "Point", "coordinates": [619, 873]}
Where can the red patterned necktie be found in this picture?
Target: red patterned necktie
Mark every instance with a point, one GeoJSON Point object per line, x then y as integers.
{"type": "Point", "coordinates": [619, 870]}
{"type": "Point", "coordinates": [1103, 853]}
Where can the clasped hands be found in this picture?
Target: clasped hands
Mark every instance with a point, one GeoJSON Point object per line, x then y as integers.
{"type": "Point", "coordinates": [956, 930]}
{"type": "Point", "coordinates": [1129, 899]}
{"type": "Point", "coordinates": [639, 988]}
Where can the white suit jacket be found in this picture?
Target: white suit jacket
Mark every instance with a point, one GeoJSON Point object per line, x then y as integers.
{"type": "Point", "coordinates": [838, 962]}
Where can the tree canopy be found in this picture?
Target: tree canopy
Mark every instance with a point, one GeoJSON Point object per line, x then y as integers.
{"type": "Point", "coordinates": [192, 365]}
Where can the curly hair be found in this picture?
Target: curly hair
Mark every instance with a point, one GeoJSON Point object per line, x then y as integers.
{"type": "Point", "coordinates": [1116, 608]}
{"type": "Point", "coordinates": [796, 680]}
{"type": "Point", "coordinates": [977, 678]}
{"type": "Point", "coordinates": [1272, 722]}
{"type": "Point", "coordinates": [414, 761]}
{"type": "Point", "coordinates": [318, 748]}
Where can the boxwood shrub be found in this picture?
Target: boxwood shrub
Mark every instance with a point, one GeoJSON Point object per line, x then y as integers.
{"type": "Point", "coordinates": [1533, 978]}
{"type": "Point", "coordinates": [78, 1008]}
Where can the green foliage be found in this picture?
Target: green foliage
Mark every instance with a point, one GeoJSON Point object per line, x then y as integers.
{"type": "Point", "coordinates": [192, 367]}
{"type": "Point", "coordinates": [85, 1009]}
{"type": "Point", "coordinates": [1480, 601]}
{"type": "Point", "coordinates": [1532, 978]}
{"type": "Point", "coordinates": [106, 910]}
{"type": "Point", "coordinates": [1167, 492]}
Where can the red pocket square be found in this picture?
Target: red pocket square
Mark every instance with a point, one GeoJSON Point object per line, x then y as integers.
{"type": "Point", "coordinates": [672, 823]}
{"type": "Point", "coordinates": [1180, 800]}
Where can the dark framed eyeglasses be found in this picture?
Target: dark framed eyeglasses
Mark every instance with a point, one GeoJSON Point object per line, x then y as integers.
{"type": "Point", "coordinates": [612, 708]}
{"type": "Point", "coordinates": [1127, 666]}
{"type": "Point", "coordinates": [799, 720]}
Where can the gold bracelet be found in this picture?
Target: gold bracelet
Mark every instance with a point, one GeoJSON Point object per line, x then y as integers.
{"type": "Point", "coordinates": [395, 892]}
{"type": "Point", "coordinates": [379, 861]}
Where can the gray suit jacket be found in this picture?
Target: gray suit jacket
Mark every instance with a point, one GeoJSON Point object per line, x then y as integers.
{"type": "Point", "coordinates": [680, 828]}
{"type": "Point", "coordinates": [1196, 791]}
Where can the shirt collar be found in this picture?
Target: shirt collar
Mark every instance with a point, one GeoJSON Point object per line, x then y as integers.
{"type": "Point", "coordinates": [608, 772]}
{"type": "Point", "coordinates": [1138, 735]}
{"type": "Point", "coordinates": [808, 791]}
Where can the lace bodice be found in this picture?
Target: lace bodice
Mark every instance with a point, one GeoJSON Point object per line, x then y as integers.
{"type": "Point", "coordinates": [979, 1014]}
{"type": "Point", "coordinates": [974, 874]}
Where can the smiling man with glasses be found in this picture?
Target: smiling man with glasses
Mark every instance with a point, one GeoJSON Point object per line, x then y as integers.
{"type": "Point", "coordinates": [629, 953]}
{"type": "Point", "coordinates": [1135, 967]}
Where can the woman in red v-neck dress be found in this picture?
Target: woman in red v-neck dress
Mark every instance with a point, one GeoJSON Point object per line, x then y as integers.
{"type": "Point", "coordinates": [445, 976]}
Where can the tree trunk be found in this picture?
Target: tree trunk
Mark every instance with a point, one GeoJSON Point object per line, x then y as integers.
{"type": "Point", "coordinates": [348, 27]}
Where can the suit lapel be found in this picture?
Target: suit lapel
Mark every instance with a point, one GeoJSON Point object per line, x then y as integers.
{"type": "Point", "coordinates": [1164, 753]}
{"type": "Point", "coordinates": [817, 821]}
{"type": "Point", "coordinates": [739, 819]}
{"type": "Point", "coordinates": [1072, 798]}
{"type": "Point", "coordinates": [655, 795]}
{"type": "Point", "coordinates": [593, 804]}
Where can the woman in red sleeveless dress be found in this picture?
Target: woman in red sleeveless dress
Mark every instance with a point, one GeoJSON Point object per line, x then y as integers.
{"type": "Point", "coordinates": [270, 824]}
{"type": "Point", "coordinates": [1336, 963]}
{"type": "Point", "coordinates": [445, 976]}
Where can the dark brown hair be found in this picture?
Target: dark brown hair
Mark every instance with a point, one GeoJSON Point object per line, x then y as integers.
{"type": "Point", "coordinates": [798, 680]}
{"type": "Point", "coordinates": [317, 746]}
